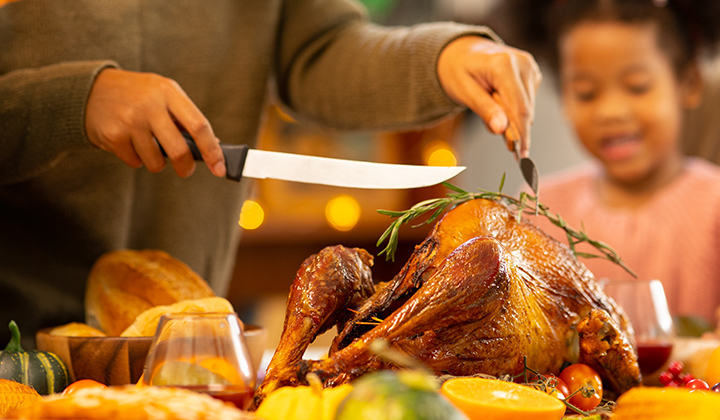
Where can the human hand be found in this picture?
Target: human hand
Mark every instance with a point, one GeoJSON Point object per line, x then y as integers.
{"type": "Point", "coordinates": [497, 82]}
{"type": "Point", "coordinates": [127, 111]}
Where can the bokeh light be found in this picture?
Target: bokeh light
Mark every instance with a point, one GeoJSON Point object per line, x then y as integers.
{"type": "Point", "coordinates": [252, 215]}
{"type": "Point", "coordinates": [342, 212]}
{"type": "Point", "coordinates": [439, 153]}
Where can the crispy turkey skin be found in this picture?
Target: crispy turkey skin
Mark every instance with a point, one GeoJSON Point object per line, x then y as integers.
{"type": "Point", "coordinates": [481, 294]}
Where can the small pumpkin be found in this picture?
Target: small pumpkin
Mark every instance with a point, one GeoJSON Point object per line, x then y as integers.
{"type": "Point", "coordinates": [303, 402]}
{"type": "Point", "coordinates": [42, 370]}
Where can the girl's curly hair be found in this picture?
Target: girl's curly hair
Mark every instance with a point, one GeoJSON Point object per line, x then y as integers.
{"type": "Point", "coordinates": [687, 28]}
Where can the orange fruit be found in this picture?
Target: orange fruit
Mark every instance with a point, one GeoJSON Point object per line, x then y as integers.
{"type": "Point", "coordinates": [184, 374]}
{"type": "Point", "coordinates": [223, 368]}
{"type": "Point", "coordinates": [712, 373]}
{"type": "Point", "coordinates": [493, 399]}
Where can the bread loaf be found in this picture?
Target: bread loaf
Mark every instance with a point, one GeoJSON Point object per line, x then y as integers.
{"type": "Point", "coordinates": [122, 284]}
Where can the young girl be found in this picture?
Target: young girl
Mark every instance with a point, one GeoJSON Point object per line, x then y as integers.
{"type": "Point", "coordinates": [628, 70]}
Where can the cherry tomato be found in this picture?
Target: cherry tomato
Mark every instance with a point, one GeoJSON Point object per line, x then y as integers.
{"type": "Point", "coordinates": [716, 387]}
{"type": "Point", "coordinates": [561, 389]}
{"type": "Point", "coordinates": [82, 384]}
{"type": "Point", "coordinates": [697, 384]}
{"type": "Point", "coordinates": [577, 375]}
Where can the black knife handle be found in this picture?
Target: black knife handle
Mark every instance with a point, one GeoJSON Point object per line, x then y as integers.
{"type": "Point", "coordinates": [235, 155]}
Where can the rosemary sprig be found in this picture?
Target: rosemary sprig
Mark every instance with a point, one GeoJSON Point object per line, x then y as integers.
{"type": "Point", "coordinates": [525, 204]}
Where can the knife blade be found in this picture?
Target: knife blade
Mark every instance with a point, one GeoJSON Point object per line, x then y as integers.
{"type": "Point", "coordinates": [242, 161]}
{"type": "Point", "coordinates": [528, 169]}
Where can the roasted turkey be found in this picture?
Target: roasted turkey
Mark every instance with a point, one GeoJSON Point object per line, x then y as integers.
{"type": "Point", "coordinates": [481, 294]}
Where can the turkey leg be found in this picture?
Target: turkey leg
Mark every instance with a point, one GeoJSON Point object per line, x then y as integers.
{"type": "Point", "coordinates": [328, 282]}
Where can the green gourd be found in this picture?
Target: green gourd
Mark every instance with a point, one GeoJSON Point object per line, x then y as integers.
{"type": "Point", "coordinates": [42, 370]}
{"type": "Point", "coordinates": [397, 395]}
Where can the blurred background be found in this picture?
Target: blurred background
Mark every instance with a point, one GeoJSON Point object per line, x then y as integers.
{"type": "Point", "coordinates": [284, 223]}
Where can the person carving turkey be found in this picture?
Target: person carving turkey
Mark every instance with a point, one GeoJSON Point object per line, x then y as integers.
{"type": "Point", "coordinates": [88, 86]}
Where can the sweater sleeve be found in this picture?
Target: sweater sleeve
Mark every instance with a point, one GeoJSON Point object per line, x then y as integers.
{"type": "Point", "coordinates": [42, 116]}
{"type": "Point", "coordinates": [343, 71]}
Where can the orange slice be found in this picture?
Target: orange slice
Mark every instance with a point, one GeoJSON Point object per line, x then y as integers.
{"type": "Point", "coordinates": [493, 399]}
{"type": "Point", "coordinates": [184, 374]}
{"type": "Point", "coordinates": [223, 368]}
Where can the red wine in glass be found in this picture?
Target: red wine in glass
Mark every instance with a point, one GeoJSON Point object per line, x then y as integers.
{"type": "Point", "coordinates": [646, 307]}
{"type": "Point", "coordinates": [239, 395]}
{"type": "Point", "coordinates": [652, 355]}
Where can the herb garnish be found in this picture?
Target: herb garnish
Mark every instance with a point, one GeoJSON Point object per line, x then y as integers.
{"type": "Point", "coordinates": [525, 204]}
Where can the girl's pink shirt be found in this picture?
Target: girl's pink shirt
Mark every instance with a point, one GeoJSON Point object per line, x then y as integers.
{"type": "Point", "coordinates": [675, 237]}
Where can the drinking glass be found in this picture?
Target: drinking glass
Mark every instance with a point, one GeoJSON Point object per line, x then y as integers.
{"type": "Point", "coordinates": [645, 304]}
{"type": "Point", "coordinates": [203, 352]}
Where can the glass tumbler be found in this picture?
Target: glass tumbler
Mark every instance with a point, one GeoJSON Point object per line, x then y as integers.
{"type": "Point", "coordinates": [203, 352]}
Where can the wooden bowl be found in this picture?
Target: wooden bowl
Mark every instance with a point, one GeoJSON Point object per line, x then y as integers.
{"type": "Point", "coordinates": [110, 360]}
{"type": "Point", "coordinates": [120, 360]}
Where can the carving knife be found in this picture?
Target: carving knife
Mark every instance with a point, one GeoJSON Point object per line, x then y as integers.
{"type": "Point", "coordinates": [527, 165]}
{"type": "Point", "coordinates": [242, 161]}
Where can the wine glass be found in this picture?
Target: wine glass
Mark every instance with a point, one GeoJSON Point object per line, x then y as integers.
{"type": "Point", "coordinates": [203, 352]}
{"type": "Point", "coordinates": [645, 304]}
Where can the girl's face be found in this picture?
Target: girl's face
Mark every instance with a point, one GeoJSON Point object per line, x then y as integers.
{"type": "Point", "coordinates": [622, 95]}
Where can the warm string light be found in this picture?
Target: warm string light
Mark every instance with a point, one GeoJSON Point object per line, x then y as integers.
{"type": "Point", "coordinates": [438, 153]}
{"type": "Point", "coordinates": [342, 212]}
{"type": "Point", "coordinates": [252, 215]}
